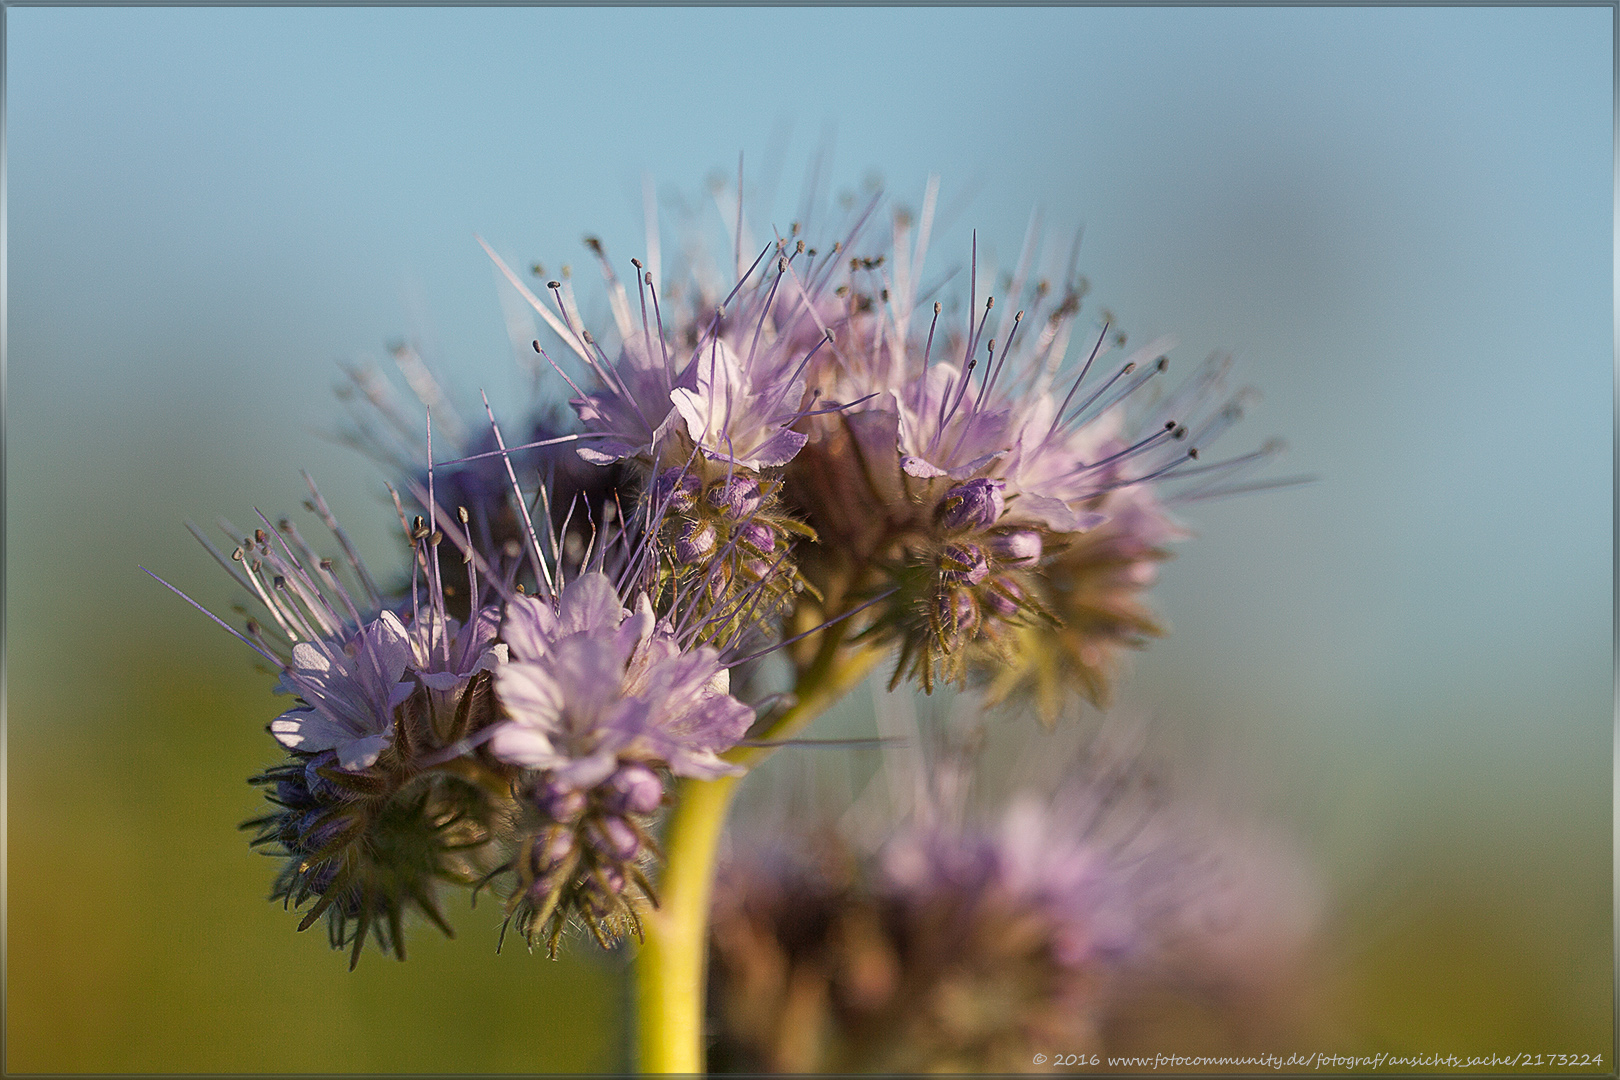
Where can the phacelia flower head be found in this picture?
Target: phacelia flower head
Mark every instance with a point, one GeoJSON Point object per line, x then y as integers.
{"type": "Point", "coordinates": [375, 804]}
{"type": "Point", "coordinates": [979, 431]}
{"type": "Point", "coordinates": [602, 700]}
{"type": "Point", "coordinates": [969, 935]}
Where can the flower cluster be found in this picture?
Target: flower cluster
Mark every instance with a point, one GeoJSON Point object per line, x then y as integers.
{"type": "Point", "coordinates": [971, 943]}
{"type": "Point", "coordinates": [601, 699]}
{"type": "Point", "coordinates": [529, 743]}
{"type": "Point", "coordinates": [797, 457]}
{"type": "Point", "coordinates": [1001, 501]}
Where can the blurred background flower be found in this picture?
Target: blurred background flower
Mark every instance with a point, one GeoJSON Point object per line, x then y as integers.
{"type": "Point", "coordinates": [1399, 220]}
{"type": "Point", "coordinates": [965, 914]}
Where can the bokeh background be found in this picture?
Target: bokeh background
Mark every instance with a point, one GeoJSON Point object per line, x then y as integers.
{"type": "Point", "coordinates": [1401, 221]}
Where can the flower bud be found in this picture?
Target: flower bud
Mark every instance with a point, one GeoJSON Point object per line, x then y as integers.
{"type": "Point", "coordinates": [719, 577]}
{"type": "Point", "coordinates": [550, 848]}
{"type": "Point", "coordinates": [1017, 547]}
{"type": "Point", "coordinates": [676, 489]}
{"type": "Point", "coordinates": [738, 497]}
{"type": "Point", "coordinates": [634, 789]}
{"type": "Point", "coordinates": [976, 504]}
{"type": "Point", "coordinates": [614, 838]}
{"type": "Point", "coordinates": [963, 564]}
{"type": "Point", "coordinates": [560, 804]}
{"type": "Point", "coordinates": [1002, 597]}
{"type": "Point", "coordinates": [695, 541]}
{"type": "Point", "coordinates": [758, 536]}
{"type": "Point", "coordinates": [614, 880]}
{"type": "Point", "coordinates": [957, 611]}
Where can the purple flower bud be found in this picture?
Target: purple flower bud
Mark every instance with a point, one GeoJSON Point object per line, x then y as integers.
{"type": "Point", "coordinates": [317, 829]}
{"type": "Point", "coordinates": [320, 878]}
{"type": "Point", "coordinates": [1021, 546]}
{"type": "Point", "coordinates": [560, 804]}
{"type": "Point", "coordinates": [634, 789]}
{"type": "Point", "coordinates": [613, 837]}
{"type": "Point", "coordinates": [976, 504]}
{"type": "Point", "coordinates": [613, 879]}
{"type": "Point", "coordinates": [957, 611]}
{"type": "Point", "coordinates": [320, 788]}
{"type": "Point", "coordinates": [550, 848]}
{"type": "Point", "coordinates": [696, 540]}
{"type": "Point", "coordinates": [758, 536]}
{"type": "Point", "coordinates": [963, 564]}
{"type": "Point", "coordinates": [718, 578]}
{"type": "Point", "coordinates": [738, 497]}
{"type": "Point", "coordinates": [1002, 597]}
{"type": "Point", "coordinates": [676, 489]}
{"type": "Point", "coordinates": [294, 794]}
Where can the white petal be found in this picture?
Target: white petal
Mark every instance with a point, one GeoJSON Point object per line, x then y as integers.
{"type": "Point", "coordinates": [530, 627]}
{"type": "Point", "coordinates": [358, 754]}
{"type": "Point", "coordinates": [307, 730]}
{"type": "Point", "coordinates": [916, 466]}
{"type": "Point", "coordinates": [530, 694]}
{"type": "Point", "coordinates": [779, 449]}
{"type": "Point", "coordinates": [310, 660]}
{"type": "Point", "coordinates": [517, 744]}
{"type": "Point", "coordinates": [693, 411]}
{"type": "Point", "coordinates": [588, 602]}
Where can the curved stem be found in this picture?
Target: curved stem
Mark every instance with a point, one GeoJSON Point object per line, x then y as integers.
{"type": "Point", "coordinates": [670, 968]}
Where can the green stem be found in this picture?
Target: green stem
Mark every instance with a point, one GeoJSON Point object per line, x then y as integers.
{"type": "Point", "coordinates": [670, 967]}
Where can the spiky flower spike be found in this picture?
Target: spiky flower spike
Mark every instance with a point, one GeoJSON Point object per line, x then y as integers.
{"type": "Point", "coordinates": [974, 460]}
{"type": "Point", "coordinates": [375, 804]}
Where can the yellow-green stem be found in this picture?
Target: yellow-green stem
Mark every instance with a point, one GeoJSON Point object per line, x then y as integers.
{"type": "Point", "coordinates": [670, 967]}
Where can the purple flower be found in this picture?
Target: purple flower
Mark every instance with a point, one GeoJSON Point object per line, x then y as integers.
{"type": "Point", "coordinates": [445, 655]}
{"type": "Point", "coordinates": [720, 378]}
{"type": "Point", "coordinates": [350, 689]}
{"type": "Point", "coordinates": [592, 685]}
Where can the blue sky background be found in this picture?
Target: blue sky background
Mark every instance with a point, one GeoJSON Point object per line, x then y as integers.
{"type": "Point", "coordinates": [1401, 221]}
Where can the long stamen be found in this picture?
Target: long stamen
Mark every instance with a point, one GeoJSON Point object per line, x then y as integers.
{"type": "Point", "coordinates": [658, 316]}
{"type": "Point", "coordinates": [229, 629]}
{"type": "Point", "coordinates": [318, 505]}
{"type": "Point", "coordinates": [541, 572]}
{"type": "Point", "coordinates": [436, 585]}
{"type": "Point", "coordinates": [1159, 366]}
{"type": "Point", "coordinates": [1057, 417]}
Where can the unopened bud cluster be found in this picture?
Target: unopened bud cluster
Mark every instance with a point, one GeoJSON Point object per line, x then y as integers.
{"type": "Point", "coordinates": [727, 543]}
{"type": "Point", "coordinates": [585, 854]}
